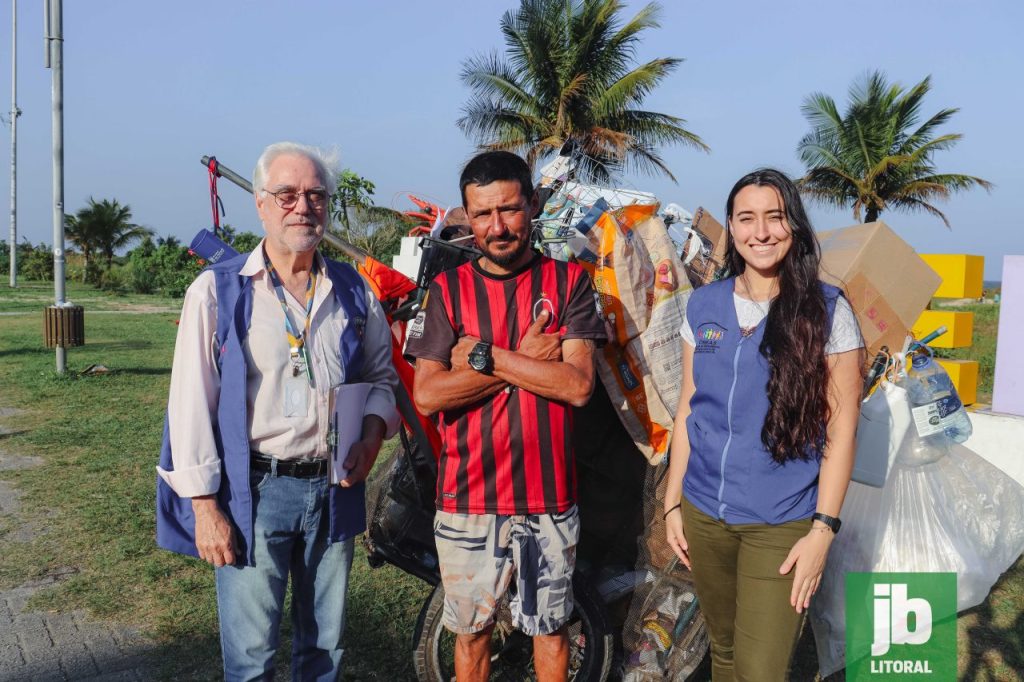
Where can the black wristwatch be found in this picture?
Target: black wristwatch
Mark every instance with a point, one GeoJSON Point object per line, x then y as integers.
{"type": "Point", "coordinates": [832, 522]}
{"type": "Point", "coordinates": [480, 358]}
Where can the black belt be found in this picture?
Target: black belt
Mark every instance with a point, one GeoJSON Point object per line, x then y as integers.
{"type": "Point", "coordinates": [296, 468]}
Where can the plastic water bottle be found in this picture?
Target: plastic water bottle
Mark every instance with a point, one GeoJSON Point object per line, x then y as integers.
{"type": "Point", "coordinates": [934, 401]}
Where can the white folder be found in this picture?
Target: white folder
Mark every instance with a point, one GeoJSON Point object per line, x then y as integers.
{"type": "Point", "coordinates": [348, 404]}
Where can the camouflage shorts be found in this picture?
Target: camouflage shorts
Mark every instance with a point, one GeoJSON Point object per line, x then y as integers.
{"type": "Point", "coordinates": [481, 554]}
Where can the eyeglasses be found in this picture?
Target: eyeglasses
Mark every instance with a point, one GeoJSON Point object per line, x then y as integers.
{"type": "Point", "coordinates": [289, 198]}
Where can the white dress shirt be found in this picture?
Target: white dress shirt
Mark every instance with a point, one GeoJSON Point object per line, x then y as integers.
{"type": "Point", "coordinates": [195, 380]}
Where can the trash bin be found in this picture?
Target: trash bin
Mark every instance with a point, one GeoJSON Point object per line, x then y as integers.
{"type": "Point", "coordinates": [64, 326]}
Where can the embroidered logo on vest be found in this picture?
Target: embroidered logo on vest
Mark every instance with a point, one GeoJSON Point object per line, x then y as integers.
{"type": "Point", "coordinates": [707, 337]}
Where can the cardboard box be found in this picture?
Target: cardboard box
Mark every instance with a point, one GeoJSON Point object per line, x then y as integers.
{"type": "Point", "coordinates": [886, 282]}
{"type": "Point", "coordinates": [708, 264]}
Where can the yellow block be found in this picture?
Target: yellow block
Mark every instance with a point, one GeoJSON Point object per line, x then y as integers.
{"type": "Point", "coordinates": [961, 275]}
{"type": "Point", "coordinates": [959, 328]}
{"type": "Point", "coordinates": [964, 375]}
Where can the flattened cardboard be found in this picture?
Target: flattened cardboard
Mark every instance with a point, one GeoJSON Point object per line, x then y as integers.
{"type": "Point", "coordinates": [709, 264]}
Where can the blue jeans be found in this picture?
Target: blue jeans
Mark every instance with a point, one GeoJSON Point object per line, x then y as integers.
{"type": "Point", "coordinates": [289, 536]}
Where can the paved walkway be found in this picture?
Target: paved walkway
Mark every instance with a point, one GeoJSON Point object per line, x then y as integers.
{"type": "Point", "coordinates": [40, 645]}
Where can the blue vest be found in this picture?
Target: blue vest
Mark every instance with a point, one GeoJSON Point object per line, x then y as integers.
{"type": "Point", "coordinates": [730, 474]}
{"type": "Point", "coordinates": [175, 523]}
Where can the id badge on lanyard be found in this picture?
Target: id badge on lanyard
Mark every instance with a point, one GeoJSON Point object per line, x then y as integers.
{"type": "Point", "coordinates": [298, 385]}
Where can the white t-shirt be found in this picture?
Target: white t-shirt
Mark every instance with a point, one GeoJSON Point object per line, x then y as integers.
{"type": "Point", "coordinates": [845, 332]}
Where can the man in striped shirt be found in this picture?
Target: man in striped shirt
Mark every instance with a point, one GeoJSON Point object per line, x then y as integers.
{"type": "Point", "coordinates": [504, 348]}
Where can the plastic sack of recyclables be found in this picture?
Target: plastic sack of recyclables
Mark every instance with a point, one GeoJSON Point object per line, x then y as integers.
{"type": "Point", "coordinates": [666, 293]}
{"type": "Point", "coordinates": [664, 637]}
{"type": "Point", "coordinates": [943, 508]}
{"type": "Point", "coordinates": [643, 301]}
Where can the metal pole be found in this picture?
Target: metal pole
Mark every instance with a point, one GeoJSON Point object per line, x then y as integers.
{"type": "Point", "coordinates": [56, 53]}
{"type": "Point", "coordinates": [15, 113]}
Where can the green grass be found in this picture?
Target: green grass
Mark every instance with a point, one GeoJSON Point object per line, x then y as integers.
{"type": "Point", "coordinates": [30, 297]}
{"type": "Point", "coordinates": [99, 437]}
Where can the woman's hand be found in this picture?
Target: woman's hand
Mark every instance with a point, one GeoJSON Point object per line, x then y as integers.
{"type": "Point", "coordinates": [676, 538]}
{"type": "Point", "coordinates": [808, 556]}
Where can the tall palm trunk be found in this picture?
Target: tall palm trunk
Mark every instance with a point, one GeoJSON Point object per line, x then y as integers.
{"type": "Point", "coordinates": [871, 215]}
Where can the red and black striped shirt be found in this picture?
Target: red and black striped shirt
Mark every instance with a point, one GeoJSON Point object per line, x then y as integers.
{"type": "Point", "coordinates": [512, 452]}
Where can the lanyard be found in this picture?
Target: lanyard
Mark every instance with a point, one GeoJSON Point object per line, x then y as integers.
{"type": "Point", "coordinates": [298, 352]}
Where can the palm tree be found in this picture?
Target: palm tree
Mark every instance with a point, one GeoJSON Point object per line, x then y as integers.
{"type": "Point", "coordinates": [875, 157]}
{"type": "Point", "coordinates": [103, 227]}
{"type": "Point", "coordinates": [568, 74]}
{"type": "Point", "coordinates": [80, 233]}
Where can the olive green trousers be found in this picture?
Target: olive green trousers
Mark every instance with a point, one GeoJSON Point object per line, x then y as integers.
{"type": "Point", "coordinates": [742, 596]}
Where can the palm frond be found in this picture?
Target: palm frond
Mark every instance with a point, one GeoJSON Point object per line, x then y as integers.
{"type": "Point", "coordinates": [874, 155]}
{"type": "Point", "coordinates": [924, 151]}
{"type": "Point", "coordinates": [486, 120]}
{"type": "Point", "coordinates": [957, 182]}
{"type": "Point", "coordinates": [568, 72]}
{"type": "Point", "coordinates": [911, 204]}
{"type": "Point", "coordinates": [820, 111]}
{"type": "Point", "coordinates": [634, 86]}
{"type": "Point", "coordinates": [653, 128]}
{"type": "Point", "coordinates": [492, 78]}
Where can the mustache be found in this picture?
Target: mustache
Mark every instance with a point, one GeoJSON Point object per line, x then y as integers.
{"type": "Point", "coordinates": [505, 238]}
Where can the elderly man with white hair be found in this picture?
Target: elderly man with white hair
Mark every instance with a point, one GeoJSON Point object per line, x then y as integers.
{"type": "Point", "coordinates": [243, 482]}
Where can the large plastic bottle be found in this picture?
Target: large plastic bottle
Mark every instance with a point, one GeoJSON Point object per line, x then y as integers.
{"type": "Point", "coordinates": [936, 407]}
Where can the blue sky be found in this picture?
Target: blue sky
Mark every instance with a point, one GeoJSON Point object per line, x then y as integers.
{"type": "Point", "coordinates": [152, 86]}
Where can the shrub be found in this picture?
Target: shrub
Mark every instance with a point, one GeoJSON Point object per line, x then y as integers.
{"type": "Point", "coordinates": [167, 269]}
{"type": "Point", "coordinates": [117, 279]}
{"type": "Point", "coordinates": [245, 241]}
{"type": "Point", "coordinates": [35, 262]}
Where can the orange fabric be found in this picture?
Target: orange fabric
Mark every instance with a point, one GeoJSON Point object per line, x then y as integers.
{"type": "Point", "coordinates": [388, 283]}
{"type": "Point", "coordinates": [384, 281]}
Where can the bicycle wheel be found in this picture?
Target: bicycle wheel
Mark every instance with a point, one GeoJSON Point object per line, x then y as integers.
{"type": "Point", "coordinates": [590, 642]}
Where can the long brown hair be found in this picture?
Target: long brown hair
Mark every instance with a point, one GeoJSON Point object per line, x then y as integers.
{"type": "Point", "coordinates": [796, 331]}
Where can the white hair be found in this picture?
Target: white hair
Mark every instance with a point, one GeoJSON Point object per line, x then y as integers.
{"type": "Point", "coordinates": [326, 163]}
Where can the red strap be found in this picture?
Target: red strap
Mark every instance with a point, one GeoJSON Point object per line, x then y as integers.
{"type": "Point", "coordinates": [215, 201]}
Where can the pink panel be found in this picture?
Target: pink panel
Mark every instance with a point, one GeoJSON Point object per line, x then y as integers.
{"type": "Point", "coordinates": [1008, 393]}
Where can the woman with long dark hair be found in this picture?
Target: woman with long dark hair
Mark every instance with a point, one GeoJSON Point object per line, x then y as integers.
{"type": "Point", "coordinates": [764, 435]}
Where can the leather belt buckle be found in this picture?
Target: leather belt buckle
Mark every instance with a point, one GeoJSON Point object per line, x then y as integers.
{"type": "Point", "coordinates": [292, 468]}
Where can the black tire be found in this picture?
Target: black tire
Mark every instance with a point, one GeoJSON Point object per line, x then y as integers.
{"type": "Point", "coordinates": [590, 641]}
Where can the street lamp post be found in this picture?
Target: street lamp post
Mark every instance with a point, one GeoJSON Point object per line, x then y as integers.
{"type": "Point", "coordinates": [55, 62]}
{"type": "Point", "coordinates": [15, 113]}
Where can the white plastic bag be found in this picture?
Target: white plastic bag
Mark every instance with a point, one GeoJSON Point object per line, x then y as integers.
{"type": "Point", "coordinates": [951, 511]}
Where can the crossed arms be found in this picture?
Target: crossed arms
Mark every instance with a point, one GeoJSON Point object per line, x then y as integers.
{"type": "Point", "coordinates": [544, 364]}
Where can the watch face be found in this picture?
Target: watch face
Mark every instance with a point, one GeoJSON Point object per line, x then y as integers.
{"type": "Point", "coordinates": [480, 357]}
